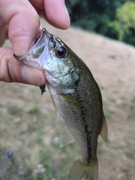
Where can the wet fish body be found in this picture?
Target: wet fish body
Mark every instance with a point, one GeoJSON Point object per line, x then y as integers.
{"type": "Point", "coordinates": [76, 97]}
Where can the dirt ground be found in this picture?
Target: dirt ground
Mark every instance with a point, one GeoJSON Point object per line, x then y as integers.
{"type": "Point", "coordinates": [112, 63]}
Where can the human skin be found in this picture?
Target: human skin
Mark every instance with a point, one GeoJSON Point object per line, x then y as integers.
{"type": "Point", "coordinates": [19, 22]}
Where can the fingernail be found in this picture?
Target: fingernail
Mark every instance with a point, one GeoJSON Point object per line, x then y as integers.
{"type": "Point", "coordinates": [68, 18]}
{"type": "Point", "coordinates": [32, 75]}
{"type": "Point", "coordinates": [66, 11]}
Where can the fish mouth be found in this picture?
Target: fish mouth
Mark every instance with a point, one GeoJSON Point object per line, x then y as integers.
{"type": "Point", "coordinates": [33, 56]}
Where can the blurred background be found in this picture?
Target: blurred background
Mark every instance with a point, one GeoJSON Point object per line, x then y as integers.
{"type": "Point", "coordinates": [114, 19]}
{"type": "Point", "coordinates": [102, 34]}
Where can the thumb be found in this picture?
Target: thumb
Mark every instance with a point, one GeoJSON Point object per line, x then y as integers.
{"type": "Point", "coordinates": [12, 70]}
{"type": "Point", "coordinates": [23, 24]}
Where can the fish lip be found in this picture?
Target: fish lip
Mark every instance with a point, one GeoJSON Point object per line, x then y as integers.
{"type": "Point", "coordinates": [43, 34]}
{"type": "Point", "coordinates": [41, 42]}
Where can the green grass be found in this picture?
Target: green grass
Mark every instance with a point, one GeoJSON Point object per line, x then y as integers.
{"type": "Point", "coordinates": [34, 110]}
{"type": "Point", "coordinates": [35, 143]}
{"type": "Point", "coordinates": [108, 114]}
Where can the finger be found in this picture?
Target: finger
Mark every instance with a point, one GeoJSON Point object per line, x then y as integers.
{"type": "Point", "coordinates": [54, 12]}
{"type": "Point", "coordinates": [38, 3]}
{"type": "Point", "coordinates": [12, 70]}
{"type": "Point", "coordinates": [23, 23]}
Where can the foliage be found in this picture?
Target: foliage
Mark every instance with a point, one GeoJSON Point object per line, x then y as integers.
{"type": "Point", "coordinates": [125, 19]}
{"type": "Point", "coordinates": [105, 17]}
{"type": "Point", "coordinates": [92, 14]}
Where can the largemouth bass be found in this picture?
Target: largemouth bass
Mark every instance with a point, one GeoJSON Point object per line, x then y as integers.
{"type": "Point", "coordinates": [76, 97]}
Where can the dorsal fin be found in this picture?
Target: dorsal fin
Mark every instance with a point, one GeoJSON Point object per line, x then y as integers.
{"type": "Point", "coordinates": [104, 130]}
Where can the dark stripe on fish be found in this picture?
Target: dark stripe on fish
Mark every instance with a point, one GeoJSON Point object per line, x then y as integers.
{"type": "Point", "coordinates": [87, 131]}
{"type": "Point", "coordinates": [88, 143]}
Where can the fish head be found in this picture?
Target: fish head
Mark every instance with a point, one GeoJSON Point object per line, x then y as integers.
{"type": "Point", "coordinates": [52, 54]}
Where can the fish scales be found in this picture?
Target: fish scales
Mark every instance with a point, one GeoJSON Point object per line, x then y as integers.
{"type": "Point", "coordinates": [82, 120]}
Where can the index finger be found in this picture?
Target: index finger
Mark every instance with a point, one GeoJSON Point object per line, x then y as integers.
{"type": "Point", "coordinates": [23, 24]}
{"type": "Point", "coordinates": [54, 11]}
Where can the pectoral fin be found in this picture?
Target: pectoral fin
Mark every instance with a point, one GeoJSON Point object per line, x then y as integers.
{"type": "Point", "coordinates": [66, 138]}
{"type": "Point", "coordinates": [104, 130]}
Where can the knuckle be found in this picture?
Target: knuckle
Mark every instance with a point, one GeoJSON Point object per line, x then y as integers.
{"type": "Point", "coordinates": [4, 66]}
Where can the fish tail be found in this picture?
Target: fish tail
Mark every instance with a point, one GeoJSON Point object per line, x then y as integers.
{"type": "Point", "coordinates": [81, 171]}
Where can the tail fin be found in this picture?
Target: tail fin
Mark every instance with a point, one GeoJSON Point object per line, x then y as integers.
{"type": "Point", "coordinates": [80, 171]}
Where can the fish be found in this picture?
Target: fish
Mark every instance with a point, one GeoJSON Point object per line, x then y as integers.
{"type": "Point", "coordinates": [76, 97]}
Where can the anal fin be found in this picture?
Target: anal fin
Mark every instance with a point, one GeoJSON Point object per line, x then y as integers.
{"type": "Point", "coordinates": [104, 130]}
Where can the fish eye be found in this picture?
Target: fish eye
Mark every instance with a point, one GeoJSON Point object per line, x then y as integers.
{"type": "Point", "coordinates": [60, 52]}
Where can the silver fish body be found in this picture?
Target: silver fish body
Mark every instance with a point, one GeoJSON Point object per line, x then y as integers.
{"type": "Point", "coordinates": [76, 97]}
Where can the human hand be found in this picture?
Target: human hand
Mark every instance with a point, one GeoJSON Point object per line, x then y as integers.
{"type": "Point", "coordinates": [19, 21]}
